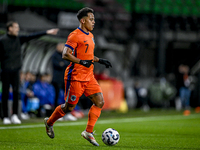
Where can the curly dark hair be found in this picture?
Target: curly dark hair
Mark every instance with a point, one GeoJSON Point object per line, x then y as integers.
{"type": "Point", "coordinates": [84, 12]}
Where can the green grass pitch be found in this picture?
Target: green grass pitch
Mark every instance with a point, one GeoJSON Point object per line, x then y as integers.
{"type": "Point", "coordinates": [154, 130]}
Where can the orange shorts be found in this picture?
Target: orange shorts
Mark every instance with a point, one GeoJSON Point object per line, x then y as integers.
{"type": "Point", "coordinates": [75, 89]}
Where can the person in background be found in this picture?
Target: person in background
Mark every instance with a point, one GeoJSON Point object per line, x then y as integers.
{"type": "Point", "coordinates": [11, 62]}
{"type": "Point", "coordinates": [183, 87]}
{"type": "Point", "coordinates": [26, 90]}
{"type": "Point", "coordinates": [45, 92]}
{"type": "Point", "coordinates": [141, 95]}
{"type": "Point", "coordinates": [59, 66]}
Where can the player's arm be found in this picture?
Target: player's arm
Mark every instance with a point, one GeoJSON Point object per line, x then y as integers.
{"type": "Point", "coordinates": [102, 61]}
{"type": "Point", "coordinates": [67, 55]}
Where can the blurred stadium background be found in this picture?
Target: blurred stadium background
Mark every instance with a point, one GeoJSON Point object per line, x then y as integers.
{"type": "Point", "coordinates": [146, 41]}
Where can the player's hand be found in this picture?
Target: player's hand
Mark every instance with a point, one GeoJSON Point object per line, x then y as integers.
{"type": "Point", "coordinates": [52, 31]}
{"type": "Point", "coordinates": [105, 62]}
{"type": "Point", "coordinates": [86, 63]}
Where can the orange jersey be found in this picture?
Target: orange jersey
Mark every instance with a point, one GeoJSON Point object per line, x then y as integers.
{"type": "Point", "coordinates": [82, 45]}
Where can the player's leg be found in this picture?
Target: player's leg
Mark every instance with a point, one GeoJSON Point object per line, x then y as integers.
{"type": "Point", "coordinates": [95, 110]}
{"type": "Point", "coordinates": [93, 91]}
{"type": "Point", "coordinates": [93, 116]}
{"type": "Point", "coordinates": [72, 94]}
{"type": "Point", "coordinates": [59, 112]}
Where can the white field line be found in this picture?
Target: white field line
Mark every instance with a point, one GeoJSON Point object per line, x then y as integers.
{"type": "Point", "coordinates": [110, 121]}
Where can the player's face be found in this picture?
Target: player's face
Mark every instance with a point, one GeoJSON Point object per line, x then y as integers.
{"type": "Point", "coordinates": [14, 29]}
{"type": "Point", "coordinates": [89, 22]}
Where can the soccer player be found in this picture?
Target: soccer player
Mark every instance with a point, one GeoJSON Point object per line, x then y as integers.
{"type": "Point", "coordinates": [79, 77]}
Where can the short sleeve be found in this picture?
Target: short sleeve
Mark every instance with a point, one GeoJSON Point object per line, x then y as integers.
{"type": "Point", "coordinates": [72, 41]}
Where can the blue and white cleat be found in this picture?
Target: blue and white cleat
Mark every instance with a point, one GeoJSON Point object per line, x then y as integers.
{"type": "Point", "coordinates": [49, 129]}
{"type": "Point", "coordinates": [89, 136]}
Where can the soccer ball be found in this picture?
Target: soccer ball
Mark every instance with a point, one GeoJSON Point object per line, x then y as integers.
{"type": "Point", "coordinates": [110, 137]}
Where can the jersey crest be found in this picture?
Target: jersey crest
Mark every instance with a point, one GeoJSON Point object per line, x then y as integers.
{"type": "Point", "coordinates": [73, 98]}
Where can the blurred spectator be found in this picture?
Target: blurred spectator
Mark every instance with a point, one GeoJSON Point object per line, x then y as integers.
{"type": "Point", "coordinates": [161, 92]}
{"type": "Point", "coordinates": [10, 58]}
{"type": "Point", "coordinates": [142, 96]}
{"type": "Point", "coordinates": [59, 66]}
{"type": "Point", "coordinates": [44, 90]}
{"type": "Point", "coordinates": [27, 94]}
{"type": "Point", "coordinates": [183, 87]}
{"type": "Point", "coordinates": [22, 91]}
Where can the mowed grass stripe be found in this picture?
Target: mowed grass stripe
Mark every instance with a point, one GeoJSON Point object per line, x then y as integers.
{"type": "Point", "coordinates": [109, 121]}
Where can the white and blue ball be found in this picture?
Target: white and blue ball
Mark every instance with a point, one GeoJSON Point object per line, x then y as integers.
{"type": "Point", "coordinates": [110, 137]}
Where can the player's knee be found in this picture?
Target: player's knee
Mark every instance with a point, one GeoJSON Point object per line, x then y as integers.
{"type": "Point", "coordinates": [100, 103]}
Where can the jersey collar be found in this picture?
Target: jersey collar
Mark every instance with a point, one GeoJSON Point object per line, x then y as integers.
{"type": "Point", "coordinates": [87, 33]}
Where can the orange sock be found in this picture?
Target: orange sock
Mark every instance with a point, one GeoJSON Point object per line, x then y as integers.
{"type": "Point", "coordinates": [93, 115]}
{"type": "Point", "coordinates": [58, 113]}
